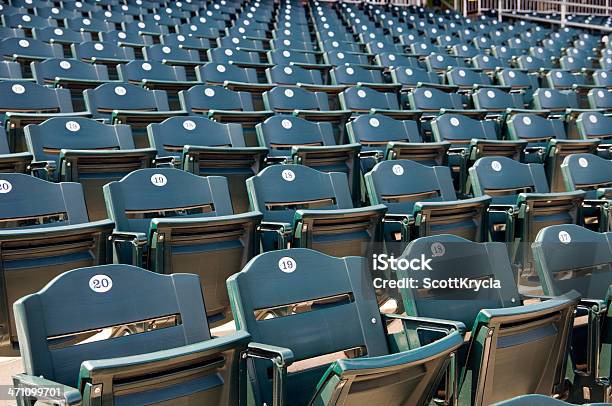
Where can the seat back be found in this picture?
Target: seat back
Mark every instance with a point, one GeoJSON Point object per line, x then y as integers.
{"type": "Point", "coordinates": [23, 96]}
{"type": "Point", "coordinates": [431, 99]}
{"type": "Point", "coordinates": [46, 72]}
{"type": "Point", "coordinates": [595, 125]}
{"type": "Point", "coordinates": [44, 232]}
{"type": "Point", "coordinates": [361, 99]}
{"type": "Point", "coordinates": [202, 98]}
{"type": "Point", "coordinates": [172, 302]}
{"type": "Point", "coordinates": [535, 129]}
{"type": "Point", "coordinates": [587, 172]}
{"type": "Point", "coordinates": [287, 277]}
{"type": "Point", "coordinates": [555, 100]}
{"type": "Point", "coordinates": [29, 48]}
{"type": "Point", "coordinates": [292, 75]}
{"type": "Point", "coordinates": [496, 100]}
{"type": "Point", "coordinates": [467, 78]}
{"type": "Point", "coordinates": [281, 132]}
{"type": "Point", "coordinates": [170, 54]}
{"type": "Point", "coordinates": [102, 100]}
{"type": "Point", "coordinates": [193, 230]}
{"type": "Point", "coordinates": [102, 51]}
{"type": "Point", "coordinates": [570, 257]}
{"type": "Point", "coordinates": [284, 99]}
{"type": "Point", "coordinates": [280, 190]}
{"type": "Point", "coordinates": [136, 71]}
{"type": "Point", "coordinates": [459, 130]}
{"type": "Point", "coordinates": [353, 74]}
{"type": "Point", "coordinates": [600, 99]}
{"type": "Point", "coordinates": [374, 131]}
{"type": "Point", "coordinates": [170, 136]}
{"type": "Point", "coordinates": [479, 261]}
{"type": "Point", "coordinates": [410, 76]}
{"type": "Point", "coordinates": [400, 183]}
{"type": "Point", "coordinates": [217, 73]}
{"type": "Point", "coordinates": [505, 335]}
{"type": "Point", "coordinates": [503, 179]}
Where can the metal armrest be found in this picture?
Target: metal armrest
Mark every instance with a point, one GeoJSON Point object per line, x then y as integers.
{"type": "Point", "coordinates": [281, 359]}
{"type": "Point", "coordinates": [283, 231]}
{"type": "Point", "coordinates": [68, 395]}
{"type": "Point", "coordinates": [137, 241]}
{"type": "Point", "coordinates": [47, 167]}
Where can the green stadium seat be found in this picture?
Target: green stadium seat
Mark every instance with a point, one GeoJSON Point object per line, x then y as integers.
{"type": "Point", "coordinates": [290, 139]}
{"type": "Point", "coordinates": [158, 327]}
{"type": "Point", "coordinates": [595, 125]}
{"type": "Point", "coordinates": [535, 334]}
{"type": "Point", "coordinates": [307, 208]}
{"type": "Point", "coordinates": [170, 220]}
{"type": "Point", "coordinates": [569, 257]}
{"type": "Point", "coordinates": [548, 144]}
{"type": "Point", "coordinates": [421, 201]}
{"type": "Point", "coordinates": [72, 149]}
{"type": "Point", "coordinates": [44, 232]}
{"type": "Point", "coordinates": [320, 290]}
{"type": "Point", "coordinates": [125, 103]}
{"type": "Point", "coordinates": [205, 147]}
{"type": "Point", "coordinates": [591, 174]}
{"type": "Point", "coordinates": [521, 202]}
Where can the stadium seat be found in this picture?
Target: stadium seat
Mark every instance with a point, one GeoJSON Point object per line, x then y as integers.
{"type": "Point", "coordinates": [311, 209]}
{"type": "Point", "coordinates": [205, 147]}
{"type": "Point", "coordinates": [382, 137]}
{"type": "Point", "coordinates": [70, 74]}
{"type": "Point", "coordinates": [362, 99]}
{"type": "Point", "coordinates": [225, 106]}
{"type": "Point", "coordinates": [556, 101]}
{"type": "Point", "coordinates": [535, 334]}
{"type": "Point", "coordinates": [306, 104]}
{"type": "Point", "coordinates": [292, 139]}
{"type": "Point", "coordinates": [521, 202]}
{"type": "Point", "coordinates": [320, 290]}
{"type": "Point", "coordinates": [548, 144]}
{"type": "Point", "coordinates": [156, 75]}
{"type": "Point", "coordinates": [469, 140]}
{"type": "Point", "coordinates": [63, 36]}
{"type": "Point", "coordinates": [569, 257]}
{"type": "Point", "coordinates": [153, 334]}
{"type": "Point", "coordinates": [600, 99]}
{"type": "Point", "coordinates": [23, 103]}
{"type": "Point", "coordinates": [109, 54]}
{"type": "Point", "coordinates": [351, 75]}
{"type": "Point", "coordinates": [125, 103]}
{"type": "Point", "coordinates": [421, 201]}
{"type": "Point", "coordinates": [170, 221]}
{"type": "Point", "coordinates": [595, 125]}
{"type": "Point", "coordinates": [591, 174]}
{"type": "Point", "coordinates": [26, 50]}
{"type": "Point", "coordinates": [72, 149]}
{"type": "Point", "coordinates": [45, 231]}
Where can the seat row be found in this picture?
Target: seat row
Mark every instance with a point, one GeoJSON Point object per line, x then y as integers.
{"type": "Point", "coordinates": [283, 296]}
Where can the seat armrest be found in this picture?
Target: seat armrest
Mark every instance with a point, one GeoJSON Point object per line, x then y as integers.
{"type": "Point", "coordinates": [136, 240]}
{"type": "Point", "coordinates": [473, 200]}
{"type": "Point", "coordinates": [282, 230]}
{"type": "Point", "coordinates": [281, 355]}
{"type": "Point", "coordinates": [281, 359]}
{"type": "Point", "coordinates": [45, 168]}
{"type": "Point", "coordinates": [67, 396]}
